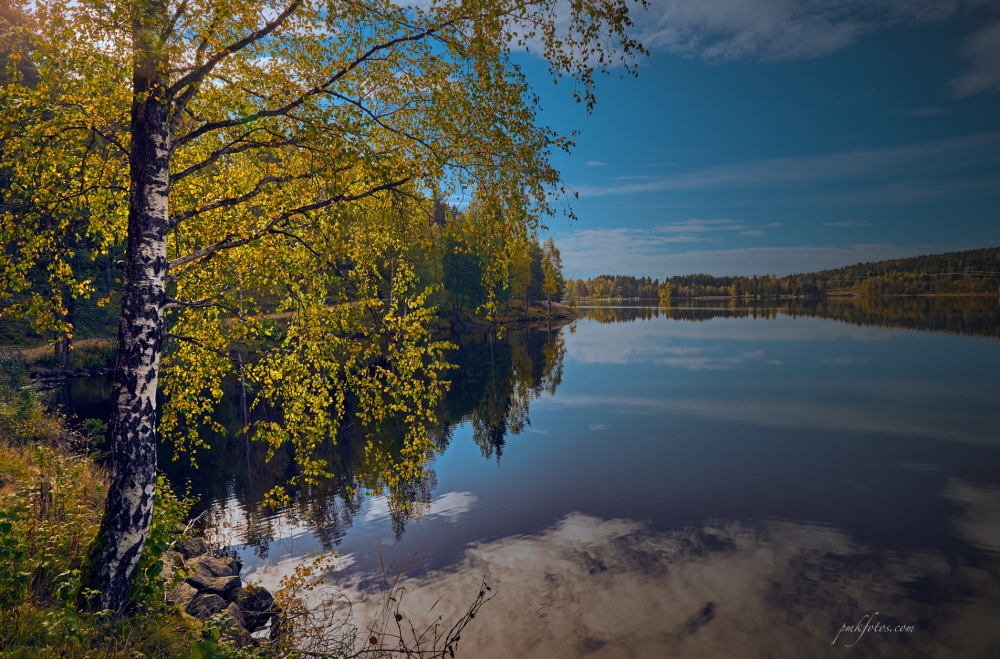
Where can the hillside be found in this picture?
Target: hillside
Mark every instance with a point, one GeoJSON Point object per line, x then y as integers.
{"type": "Point", "coordinates": [973, 272]}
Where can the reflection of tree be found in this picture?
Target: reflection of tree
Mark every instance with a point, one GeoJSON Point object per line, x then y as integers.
{"type": "Point", "coordinates": [497, 379]}
{"type": "Point", "coordinates": [960, 315]}
{"type": "Point", "coordinates": [411, 501]}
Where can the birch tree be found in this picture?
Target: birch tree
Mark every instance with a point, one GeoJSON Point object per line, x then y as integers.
{"type": "Point", "coordinates": [263, 160]}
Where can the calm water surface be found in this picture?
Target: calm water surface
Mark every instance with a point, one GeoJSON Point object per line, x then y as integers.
{"type": "Point", "coordinates": [708, 480]}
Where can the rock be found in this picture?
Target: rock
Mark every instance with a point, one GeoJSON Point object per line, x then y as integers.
{"type": "Point", "coordinates": [181, 595]}
{"type": "Point", "coordinates": [241, 637]}
{"type": "Point", "coordinates": [256, 604]}
{"type": "Point", "coordinates": [234, 612]}
{"type": "Point", "coordinates": [214, 585]}
{"type": "Point", "coordinates": [216, 567]}
{"type": "Point", "coordinates": [192, 547]}
{"type": "Point", "coordinates": [234, 564]}
{"type": "Point", "coordinates": [204, 606]}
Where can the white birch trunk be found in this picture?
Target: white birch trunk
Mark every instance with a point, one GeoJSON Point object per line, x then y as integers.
{"type": "Point", "coordinates": [115, 554]}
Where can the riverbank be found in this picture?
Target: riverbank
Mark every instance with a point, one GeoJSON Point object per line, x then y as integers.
{"type": "Point", "coordinates": [188, 600]}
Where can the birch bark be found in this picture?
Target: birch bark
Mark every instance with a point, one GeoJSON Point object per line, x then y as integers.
{"type": "Point", "coordinates": [115, 554]}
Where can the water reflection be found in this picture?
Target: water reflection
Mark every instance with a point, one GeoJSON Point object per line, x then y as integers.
{"type": "Point", "coordinates": [498, 377]}
{"type": "Point", "coordinates": [976, 316]}
{"type": "Point", "coordinates": [618, 588]}
{"type": "Point", "coordinates": [795, 467]}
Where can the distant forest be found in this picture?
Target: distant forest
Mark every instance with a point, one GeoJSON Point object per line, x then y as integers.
{"type": "Point", "coordinates": [975, 272]}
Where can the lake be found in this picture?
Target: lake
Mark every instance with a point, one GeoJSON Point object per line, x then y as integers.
{"type": "Point", "coordinates": [706, 480]}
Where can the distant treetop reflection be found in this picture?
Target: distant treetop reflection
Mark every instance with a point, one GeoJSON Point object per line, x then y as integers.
{"type": "Point", "coordinates": [976, 316]}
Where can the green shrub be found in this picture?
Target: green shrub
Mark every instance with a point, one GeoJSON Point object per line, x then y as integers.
{"type": "Point", "coordinates": [92, 355]}
{"type": "Point", "coordinates": [23, 418]}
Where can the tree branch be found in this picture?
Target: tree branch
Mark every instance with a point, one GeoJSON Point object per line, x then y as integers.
{"type": "Point", "coordinates": [232, 148]}
{"type": "Point", "coordinates": [233, 201]}
{"type": "Point", "coordinates": [200, 72]}
{"type": "Point", "coordinates": [318, 89]}
{"type": "Point", "coordinates": [229, 243]}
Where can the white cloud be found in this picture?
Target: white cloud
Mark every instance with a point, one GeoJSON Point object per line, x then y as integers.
{"type": "Point", "coordinates": [845, 225]}
{"type": "Point", "coordinates": [982, 48]}
{"type": "Point", "coordinates": [753, 232]}
{"type": "Point", "coordinates": [775, 224]}
{"type": "Point", "coordinates": [596, 163]}
{"type": "Point", "coordinates": [779, 30]}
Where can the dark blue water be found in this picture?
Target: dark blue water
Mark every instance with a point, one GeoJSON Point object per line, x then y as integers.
{"type": "Point", "coordinates": [703, 481]}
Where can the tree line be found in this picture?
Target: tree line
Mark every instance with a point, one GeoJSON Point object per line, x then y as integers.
{"type": "Point", "coordinates": [973, 272]}
{"type": "Point", "coordinates": [457, 268]}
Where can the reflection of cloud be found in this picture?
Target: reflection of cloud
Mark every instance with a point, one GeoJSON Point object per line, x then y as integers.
{"type": "Point", "coordinates": [622, 343]}
{"type": "Point", "coordinates": [980, 523]}
{"type": "Point", "coordinates": [874, 416]}
{"type": "Point", "coordinates": [269, 575]}
{"type": "Point", "coordinates": [615, 588]}
{"type": "Point", "coordinates": [692, 362]}
{"type": "Point", "coordinates": [450, 505]}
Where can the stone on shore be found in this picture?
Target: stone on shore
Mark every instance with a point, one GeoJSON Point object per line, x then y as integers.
{"type": "Point", "coordinates": [204, 606]}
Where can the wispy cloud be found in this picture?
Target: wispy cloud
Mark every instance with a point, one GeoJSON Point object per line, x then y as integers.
{"type": "Point", "coordinates": [924, 112]}
{"type": "Point", "coordinates": [982, 49]}
{"type": "Point", "coordinates": [846, 225]}
{"type": "Point", "coordinates": [914, 170]}
{"type": "Point", "coordinates": [775, 224]}
{"type": "Point", "coordinates": [779, 30]}
{"type": "Point", "coordinates": [694, 225]}
{"type": "Point", "coordinates": [753, 232]}
{"type": "Point", "coordinates": [596, 163]}
{"type": "Point", "coordinates": [846, 361]}
{"type": "Point", "coordinates": [590, 252]}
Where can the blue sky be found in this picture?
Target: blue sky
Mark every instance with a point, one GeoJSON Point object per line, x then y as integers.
{"type": "Point", "coordinates": [780, 136]}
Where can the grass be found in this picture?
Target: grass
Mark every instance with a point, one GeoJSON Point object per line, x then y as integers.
{"type": "Point", "coordinates": [50, 506]}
